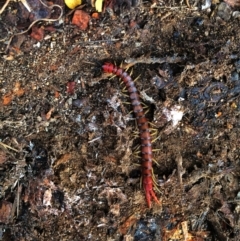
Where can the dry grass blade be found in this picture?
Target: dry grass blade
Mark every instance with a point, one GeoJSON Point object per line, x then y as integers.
{"type": "Point", "coordinates": [8, 147]}
{"type": "Point", "coordinates": [4, 6]}
{"type": "Point", "coordinates": [26, 5]}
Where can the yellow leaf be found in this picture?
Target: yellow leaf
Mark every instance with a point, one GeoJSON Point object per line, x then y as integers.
{"type": "Point", "coordinates": [72, 3]}
{"type": "Point", "coordinates": [98, 5]}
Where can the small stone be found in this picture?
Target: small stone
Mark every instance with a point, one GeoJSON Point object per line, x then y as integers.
{"type": "Point", "coordinates": [224, 11]}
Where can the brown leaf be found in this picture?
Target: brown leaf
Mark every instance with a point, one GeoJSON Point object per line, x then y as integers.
{"type": "Point", "coordinates": [5, 211]}
{"type": "Point", "coordinates": [37, 33]}
{"type": "Point", "coordinates": [3, 157]}
{"type": "Point", "coordinates": [7, 98]}
{"type": "Point", "coordinates": [48, 115]}
{"type": "Point", "coordinates": [63, 159]}
{"type": "Point", "coordinates": [17, 90]}
{"type": "Point", "coordinates": [56, 94]}
{"type": "Point", "coordinates": [71, 85]}
{"type": "Point", "coordinates": [128, 223]}
{"type": "Point", "coordinates": [81, 19]}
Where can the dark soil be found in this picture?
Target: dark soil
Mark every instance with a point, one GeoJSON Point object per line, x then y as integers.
{"type": "Point", "coordinates": [68, 152]}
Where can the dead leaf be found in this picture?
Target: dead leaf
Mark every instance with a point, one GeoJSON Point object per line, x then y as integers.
{"type": "Point", "coordinates": [3, 157]}
{"type": "Point", "coordinates": [17, 90]}
{"type": "Point", "coordinates": [81, 19]}
{"type": "Point", "coordinates": [37, 33]}
{"type": "Point", "coordinates": [5, 211]}
{"type": "Point", "coordinates": [128, 223]}
{"type": "Point", "coordinates": [56, 94]}
{"type": "Point", "coordinates": [110, 159]}
{"type": "Point", "coordinates": [71, 87]}
{"type": "Point", "coordinates": [48, 115]}
{"type": "Point", "coordinates": [63, 159]}
{"type": "Point", "coordinates": [7, 98]}
{"type": "Point", "coordinates": [99, 5]}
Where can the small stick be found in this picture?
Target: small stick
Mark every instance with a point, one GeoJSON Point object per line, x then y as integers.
{"type": "Point", "coordinates": [152, 60]}
{"type": "Point", "coordinates": [4, 6]}
{"type": "Point", "coordinates": [9, 147]}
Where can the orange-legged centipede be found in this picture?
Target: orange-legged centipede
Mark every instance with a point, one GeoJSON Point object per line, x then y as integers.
{"type": "Point", "coordinates": [144, 131]}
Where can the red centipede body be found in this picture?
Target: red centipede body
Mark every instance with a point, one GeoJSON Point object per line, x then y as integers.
{"type": "Point", "coordinates": [144, 131]}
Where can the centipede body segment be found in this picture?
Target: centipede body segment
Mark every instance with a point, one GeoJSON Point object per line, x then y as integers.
{"type": "Point", "coordinates": [144, 131]}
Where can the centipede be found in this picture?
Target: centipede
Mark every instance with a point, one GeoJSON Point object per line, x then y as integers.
{"type": "Point", "coordinates": [144, 131]}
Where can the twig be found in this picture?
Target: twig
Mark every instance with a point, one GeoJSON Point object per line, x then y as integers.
{"type": "Point", "coordinates": [26, 5]}
{"type": "Point", "coordinates": [9, 147]}
{"type": "Point", "coordinates": [152, 60]}
{"type": "Point", "coordinates": [4, 6]}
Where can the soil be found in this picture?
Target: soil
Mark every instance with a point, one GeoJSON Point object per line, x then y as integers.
{"type": "Point", "coordinates": [69, 166]}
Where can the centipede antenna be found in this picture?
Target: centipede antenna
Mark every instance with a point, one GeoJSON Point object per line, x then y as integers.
{"type": "Point", "coordinates": [121, 65]}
